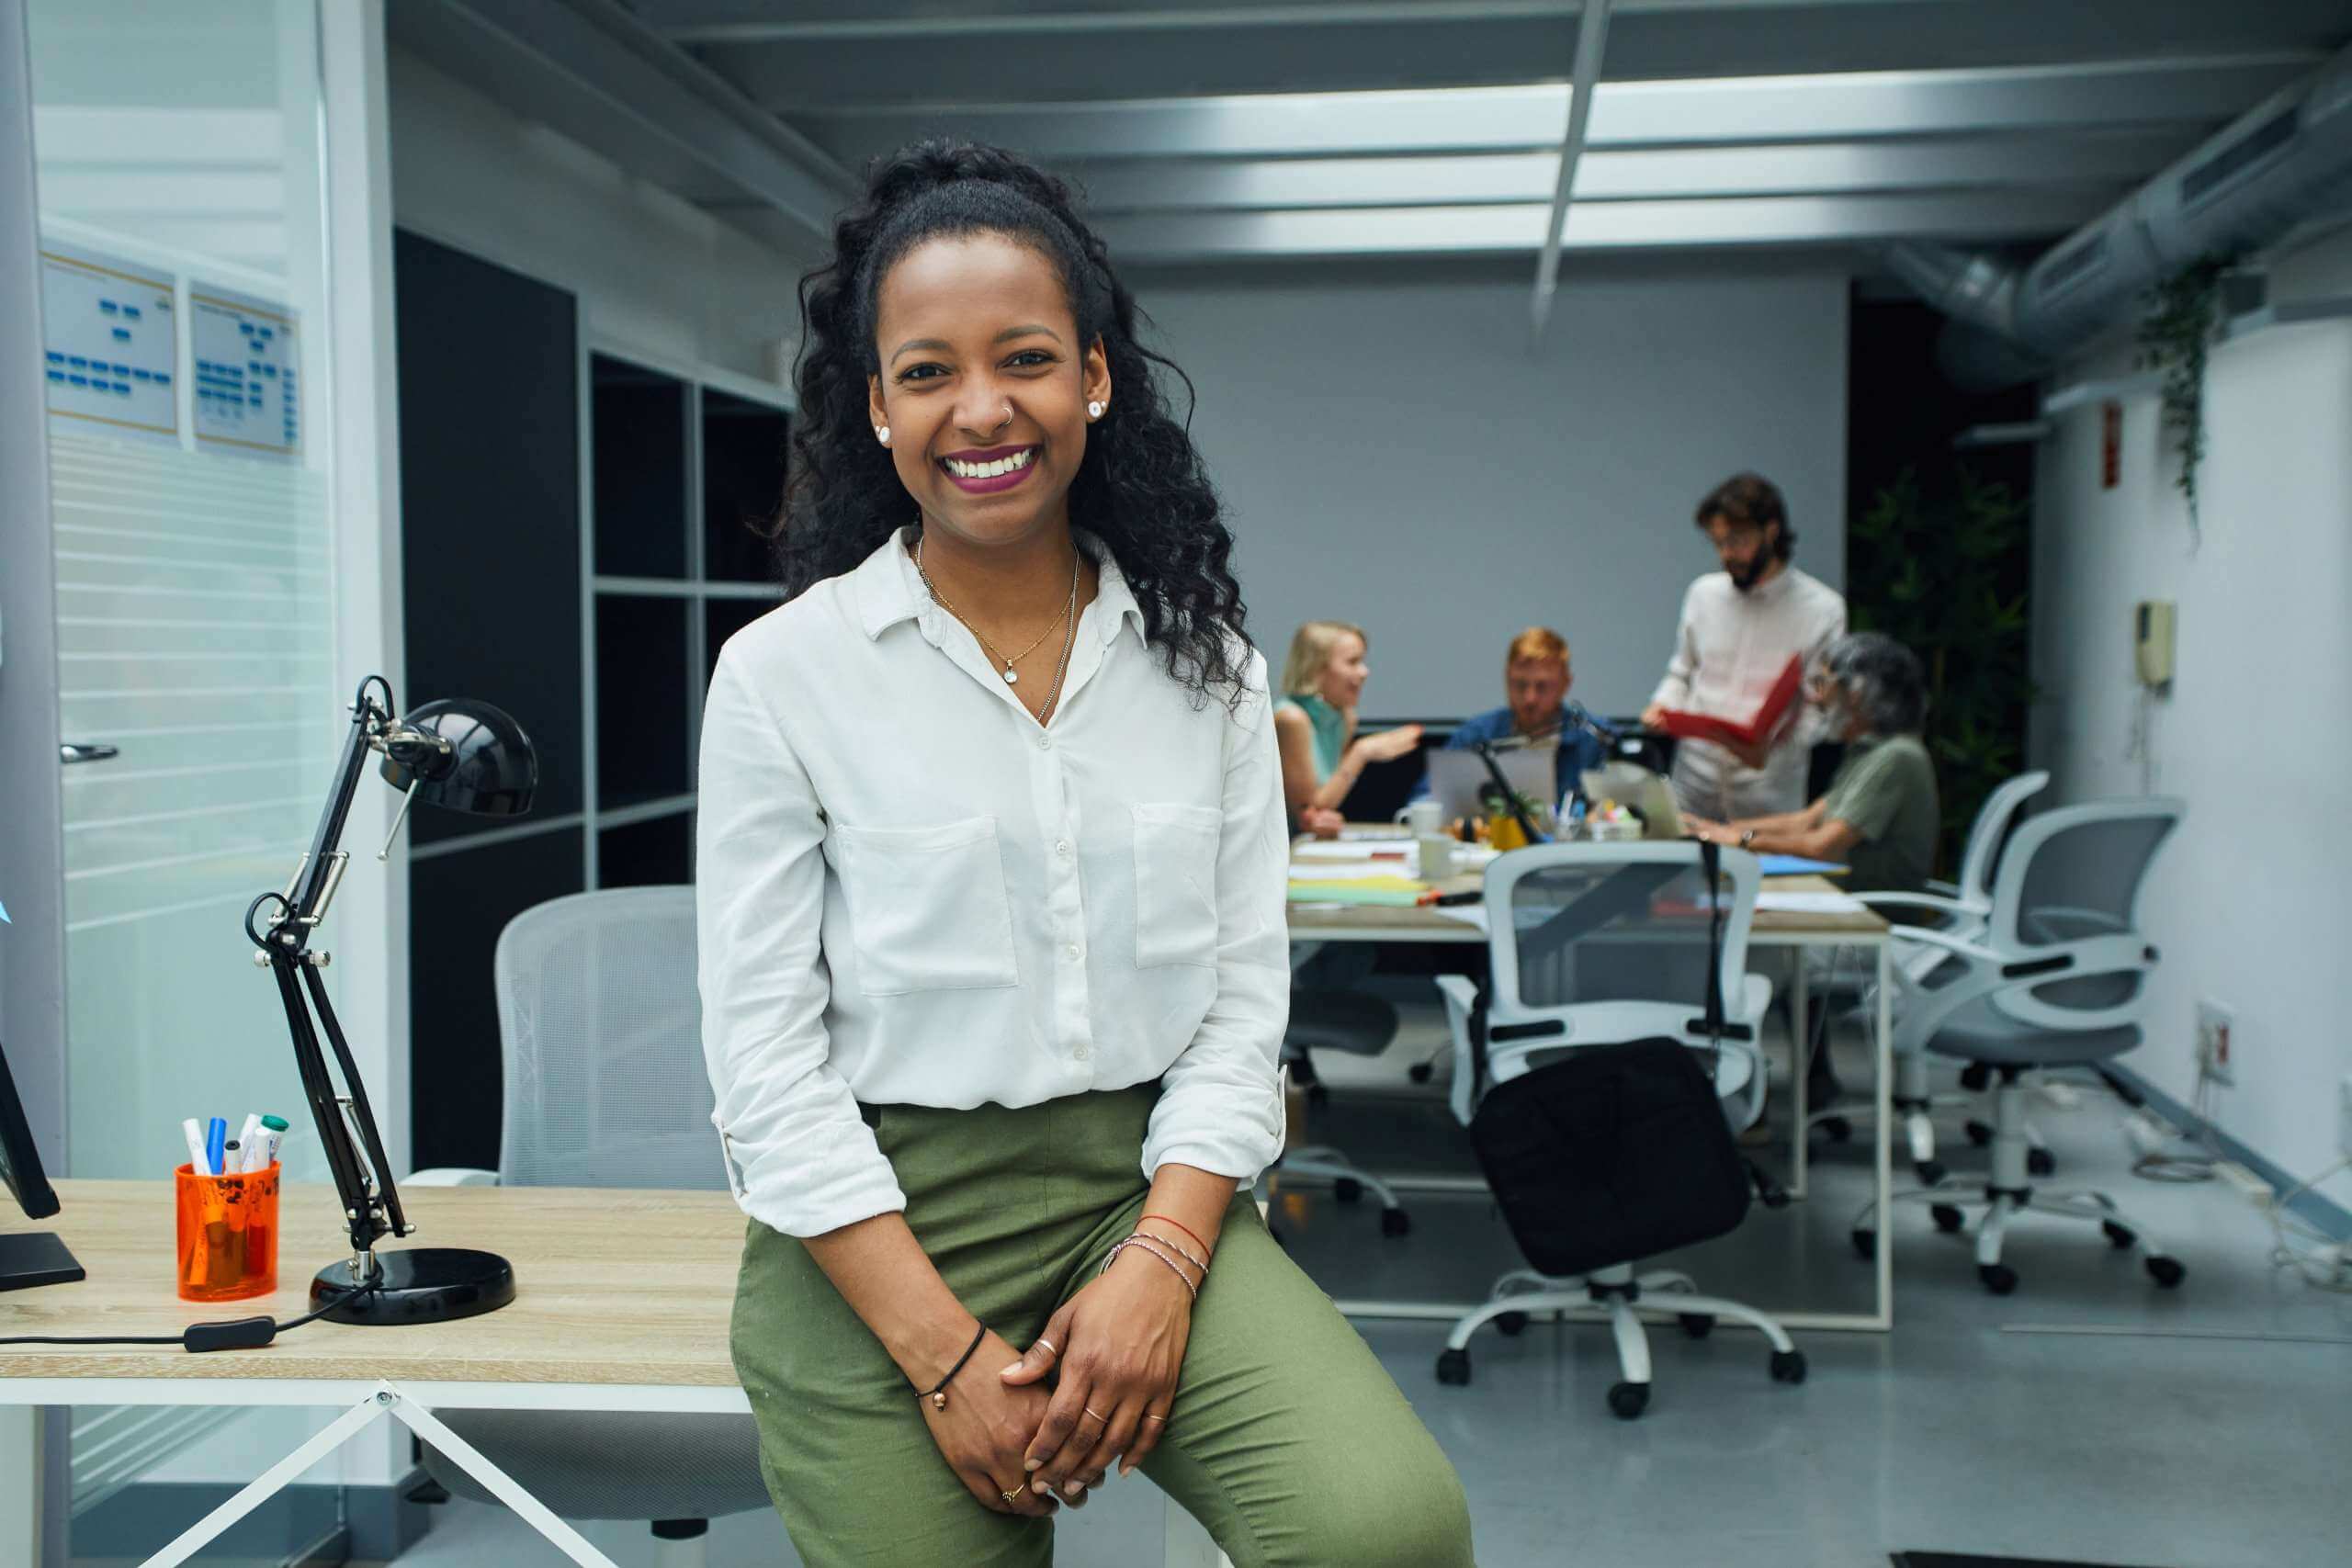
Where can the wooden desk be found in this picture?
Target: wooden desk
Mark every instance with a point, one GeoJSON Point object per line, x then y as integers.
{"type": "Point", "coordinates": [622, 1304]}
{"type": "Point", "coordinates": [1311, 927]}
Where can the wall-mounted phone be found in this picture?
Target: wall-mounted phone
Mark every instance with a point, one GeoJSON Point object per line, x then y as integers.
{"type": "Point", "coordinates": [2152, 641]}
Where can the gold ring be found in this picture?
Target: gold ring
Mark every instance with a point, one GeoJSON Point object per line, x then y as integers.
{"type": "Point", "coordinates": [1161, 1420]}
{"type": "Point", "coordinates": [1011, 1498]}
{"type": "Point", "coordinates": [1090, 1410]}
{"type": "Point", "coordinates": [1047, 1344]}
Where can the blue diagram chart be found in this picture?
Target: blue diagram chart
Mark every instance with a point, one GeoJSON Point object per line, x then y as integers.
{"type": "Point", "coordinates": [109, 344]}
{"type": "Point", "coordinates": [247, 371]}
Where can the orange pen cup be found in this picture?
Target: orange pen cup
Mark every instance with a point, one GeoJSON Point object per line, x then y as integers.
{"type": "Point", "coordinates": [228, 1235]}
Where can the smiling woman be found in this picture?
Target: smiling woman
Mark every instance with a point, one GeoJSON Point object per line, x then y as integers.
{"type": "Point", "coordinates": [991, 876]}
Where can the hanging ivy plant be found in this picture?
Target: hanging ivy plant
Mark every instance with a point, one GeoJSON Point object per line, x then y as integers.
{"type": "Point", "coordinates": [2174, 337]}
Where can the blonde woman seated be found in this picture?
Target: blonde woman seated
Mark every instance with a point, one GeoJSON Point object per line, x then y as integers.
{"type": "Point", "coordinates": [1315, 725]}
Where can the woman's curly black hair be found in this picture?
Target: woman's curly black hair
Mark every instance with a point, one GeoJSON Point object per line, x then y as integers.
{"type": "Point", "coordinates": [1141, 488]}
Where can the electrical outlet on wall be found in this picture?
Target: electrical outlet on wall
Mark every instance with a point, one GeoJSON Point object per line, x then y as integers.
{"type": "Point", "coordinates": [2217, 1042]}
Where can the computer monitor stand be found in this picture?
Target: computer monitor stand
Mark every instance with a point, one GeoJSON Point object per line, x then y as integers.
{"type": "Point", "coordinates": [36, 1257]}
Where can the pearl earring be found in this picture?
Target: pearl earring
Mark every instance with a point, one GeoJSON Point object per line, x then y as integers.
{"type": "Point", "coordinates": [883, 435]}
{"type": "Point", "coordinates": [1095, 410]}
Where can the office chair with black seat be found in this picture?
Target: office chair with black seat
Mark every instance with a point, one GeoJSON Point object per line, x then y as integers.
{"type": "Point", "coordinates": [600, 1043]}
{"type": "Point", "coordinates": [1595, 1076]}
{"type": "Point", "coordinates": [2056, 977]}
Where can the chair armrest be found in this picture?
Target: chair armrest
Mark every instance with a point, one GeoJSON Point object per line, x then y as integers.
{"type": "Point", "coordinates": [1947, 889]}
{"type": "Point", "coordinates": [1458, 988]}
{"type": "Point", "coordinates": [450, 1175]}
{"type": "Point", "coordinates": [1975, 952]}
{"type": "Point", "coordinates": [1920, 901]}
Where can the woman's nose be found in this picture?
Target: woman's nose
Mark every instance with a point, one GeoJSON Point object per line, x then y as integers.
{"type": "Point", "coordinates": [983, 409]}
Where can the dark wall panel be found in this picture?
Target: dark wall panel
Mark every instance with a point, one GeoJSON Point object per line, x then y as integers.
{"type": "Point", "coordinates": [458, 904]}
{"type": "Point", "coordinates": [490, 504]}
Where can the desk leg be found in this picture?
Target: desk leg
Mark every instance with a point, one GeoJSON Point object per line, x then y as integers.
{"type": "Point", "coordinates": [1882, 1059]}
{"type": "Point", "coordinates": [1800, 1039]}
{"type": "Point", "coordinates": [385, 1401]}
{"type": "Point", "coordinates": [22, 1470]}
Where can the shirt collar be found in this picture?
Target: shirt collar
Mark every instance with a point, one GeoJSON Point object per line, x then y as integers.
{"type": "Point", "coordinates": [889, 588]}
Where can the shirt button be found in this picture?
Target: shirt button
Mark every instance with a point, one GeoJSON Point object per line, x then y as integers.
{"type": "Point", "coordinates": [1061, 848]}
{"type": "Point", "coordinates": [1045, 743]}
{"type": "Point", "coordinates": [1071, 953]}
{"type": "Point", "coordinates": [1081, 1051]}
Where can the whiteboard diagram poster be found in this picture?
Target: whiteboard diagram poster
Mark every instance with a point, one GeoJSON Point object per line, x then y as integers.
{"type": "Point", "coordinates": [109, 343]}
{"type": "Point", "coordinates": [247, 373]}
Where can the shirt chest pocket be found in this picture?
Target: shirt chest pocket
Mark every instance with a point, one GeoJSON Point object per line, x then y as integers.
{"type": "Point", "coordinates": [927, 907]}
{"type": "Point", "coordinates": [1176, 848]}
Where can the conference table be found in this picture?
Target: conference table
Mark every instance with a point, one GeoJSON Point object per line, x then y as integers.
{"type": "Point", "coordinates": [595, 1326]}
{"type": "Point", "coordinates": [1800, 931]}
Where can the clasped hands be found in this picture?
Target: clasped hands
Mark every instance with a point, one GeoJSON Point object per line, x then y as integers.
{"type": "Point", "coordinates": [1094, 1388]}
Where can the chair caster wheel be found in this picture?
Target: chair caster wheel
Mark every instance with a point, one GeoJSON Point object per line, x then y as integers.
{"type": "Point", "coordinates": [1999, 1277]}
{"type": "Point", "coordinates": [1698, 1324]}
{"type": "Point", "coordinates": [2119, 1237]}
{"type": "Point", "coordinates": [1511, 1324]}
{"type": "Point", "coordinates": [1347, 1190]}
{"type": "Point", "coordinates": [1866, 1245]}
{"type": "Point", "coordinates": [1948, 1218]}
{"type": "Point", "coordinates": [1627, 1400]}
{"type": "Point", "coordinates": [2041, 1162]}
{"type": "Point", "coordinates": [1421, 1072]}
{"type": "Point", "coordinates": [1788, 1365]}
{"type": "Point", "coordinates": [2167, 1271]}
{"type": "Point", "coordinates": [1453, 1368]}
{"type": "Point", "coordinates": [1837, 1129]}
{"type": "Point", "coordinates": [1931, 1172]}
{"type": "Point", "coordinates": [1394, 1221]}
{"type": "Point", "coordinates": [1980, 1132]}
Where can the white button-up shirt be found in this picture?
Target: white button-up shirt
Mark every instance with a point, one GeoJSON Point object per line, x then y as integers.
{"type": "Point", "coordinates": [1729, 649]}
{"type": "Point", "coordinates": [910, 893]}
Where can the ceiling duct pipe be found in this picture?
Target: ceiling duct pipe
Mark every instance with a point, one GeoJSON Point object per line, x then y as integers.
{"type": "Point", "coordinates": [2286, 159]}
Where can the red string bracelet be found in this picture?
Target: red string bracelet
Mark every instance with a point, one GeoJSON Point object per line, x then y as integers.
{"type": "Point", "coordinates": [1181, 1225]}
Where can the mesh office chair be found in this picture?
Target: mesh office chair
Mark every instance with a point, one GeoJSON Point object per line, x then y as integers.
{"type": "Point", "coordinates": [600, 1042]}
{"type": "Point", "coordinates": [1599, 944]}
{"type": "Point", "coordinates": [2055, 976]}
{"type": "Point", "coordinates": [1960, 907]}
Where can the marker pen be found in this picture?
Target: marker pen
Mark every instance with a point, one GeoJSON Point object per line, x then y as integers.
{"type": "Point", "coordinates": [196, 1159]}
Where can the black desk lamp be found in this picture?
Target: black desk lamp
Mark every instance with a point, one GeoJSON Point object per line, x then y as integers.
{"type": "Point", "coordinates": [467, 756]}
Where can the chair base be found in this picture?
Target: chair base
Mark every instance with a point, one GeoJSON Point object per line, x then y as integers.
{"type": "Point", "coordinates": [1622, 1300]}
{"type": "Point", "coordinates": [2009, 1193]}
{"type": "Point", "coordinates": [1349, 1182]}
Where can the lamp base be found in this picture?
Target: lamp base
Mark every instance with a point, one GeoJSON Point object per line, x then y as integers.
{"type": "Point", "coordinates": [38, 1259]}
{"type": "Point", "coordinates": [423, 1284]}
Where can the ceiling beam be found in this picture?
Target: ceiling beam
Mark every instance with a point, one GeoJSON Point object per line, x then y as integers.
{"type": "Point", "coordinates": [589, 70]}
{"type": "Point", "coordinates": [1852, 107]}
{"type": "Point", "coordinates": [1592, 42]}
{"type": "Point", "coordinates": [2106, 162]}
{"type": "Point", "coordinates": [1983, 216]}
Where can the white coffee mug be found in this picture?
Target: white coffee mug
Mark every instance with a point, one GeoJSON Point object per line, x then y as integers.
{"type": "Point", "coordinates": [1422, 816]}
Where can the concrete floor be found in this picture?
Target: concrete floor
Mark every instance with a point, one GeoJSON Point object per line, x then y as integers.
{"type": "Point", "coordinates": [2089, 1417]}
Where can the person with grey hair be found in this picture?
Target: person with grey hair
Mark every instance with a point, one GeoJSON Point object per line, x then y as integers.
{"type": "Point", "coordinates": [1880, 814]}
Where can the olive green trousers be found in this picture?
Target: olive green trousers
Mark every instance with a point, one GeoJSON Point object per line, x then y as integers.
{"type": "Point", "coordinates": [1287, 1439]}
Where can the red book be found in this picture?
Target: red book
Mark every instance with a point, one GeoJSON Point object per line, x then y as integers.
{"type": "Point", "coordinates": [1778, 712]}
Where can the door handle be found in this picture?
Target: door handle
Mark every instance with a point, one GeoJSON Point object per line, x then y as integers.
{"type": "Point", "coordinates": [86, 752]}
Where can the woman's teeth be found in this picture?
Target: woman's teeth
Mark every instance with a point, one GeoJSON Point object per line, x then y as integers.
{"type": "Point", "coordinates": [964, 471]}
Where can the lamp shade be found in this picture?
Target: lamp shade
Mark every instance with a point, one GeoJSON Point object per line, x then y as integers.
{"type": "Point", "coordinates": [490, 769]}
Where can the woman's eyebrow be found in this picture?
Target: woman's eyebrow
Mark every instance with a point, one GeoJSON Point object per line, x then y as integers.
{"type": "Point", "coordinates": [940, 346]}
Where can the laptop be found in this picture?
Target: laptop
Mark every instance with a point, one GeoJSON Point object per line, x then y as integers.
{"type": "Point", "coordinates": [1457, 777]}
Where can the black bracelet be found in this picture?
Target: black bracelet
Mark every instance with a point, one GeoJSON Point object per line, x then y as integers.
{"type": "Point", "coordinates": [938, 1394]}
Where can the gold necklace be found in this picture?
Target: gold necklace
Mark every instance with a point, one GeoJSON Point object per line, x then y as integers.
{"type": "Point", "coordinates": [1012, 676]}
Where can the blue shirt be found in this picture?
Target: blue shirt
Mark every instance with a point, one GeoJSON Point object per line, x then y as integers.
{"type": "Point", "coordinates": [1580, 750]}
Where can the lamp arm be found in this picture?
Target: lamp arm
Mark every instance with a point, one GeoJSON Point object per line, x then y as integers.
{"type": "Point", "coordinates": [361, 1112]}
{"type": "Point", "coordinates": [317, 1089]}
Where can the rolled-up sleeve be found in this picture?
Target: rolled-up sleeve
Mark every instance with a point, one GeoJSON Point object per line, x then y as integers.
{"type": "Point", "coordinates": [800, 1158]}
{"type": "Point", "coordinates": [1220, 1109]}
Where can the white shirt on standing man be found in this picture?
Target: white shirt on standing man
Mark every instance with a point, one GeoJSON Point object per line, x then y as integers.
{"type": "Point", "coordinates": [1740, 626]}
